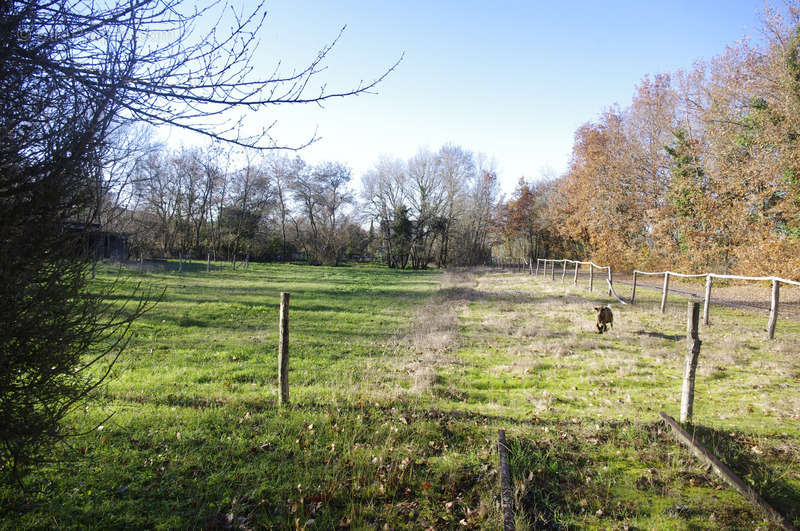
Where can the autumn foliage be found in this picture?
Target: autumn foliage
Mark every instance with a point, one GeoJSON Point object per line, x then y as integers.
{"type": "Point", "coordinates": [700, 173]}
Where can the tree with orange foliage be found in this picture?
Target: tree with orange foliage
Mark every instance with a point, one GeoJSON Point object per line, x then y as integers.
{"type": "Point", "coordinates": [598, 208]}
{"type": "Point", "coordinates": [519, 222]}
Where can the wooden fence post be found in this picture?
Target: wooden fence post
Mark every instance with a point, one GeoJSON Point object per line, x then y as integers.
{"type": "Point", "coordinates": [208, 263]}
{"type": "Point", "coordinates": [707, 299]}
{"type": "Point", "coordinates": [773, 308]}
{"type": "Point", "coordinates": [283, 351]}
{"type": "Point", "coordinates": [610, 280]}
{"type": "Point", "coordinates": [537, 266]}
{"type": "Point", "coordinates": [633, 293]}
{"type": "Point", "coordinates": [506, 493]}
{"type": "Point", "coordinates": [664, 292]}
{"type": "Point", "coordinates": [690, 363]}
{"type": "Point", "coordinates": [563, 270]}
{"type": "Point", "coordinates": [575, 277]}
{"type": "Point", "coordinates": [591, 276]}
{"type": "Point", "coordinates": [553, 270]}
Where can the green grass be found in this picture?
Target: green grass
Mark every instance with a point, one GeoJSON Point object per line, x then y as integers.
{"type": "Point", "coordinates": [399, 382]}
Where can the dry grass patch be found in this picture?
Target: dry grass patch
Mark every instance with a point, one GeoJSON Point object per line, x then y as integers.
{"type": "Point", "coordinates": [788, 347]}
{"type": "Point", "coordinates": [435, 330]}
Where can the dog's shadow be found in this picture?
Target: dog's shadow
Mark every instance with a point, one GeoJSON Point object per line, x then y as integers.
{"type": "Point", "coordinates": [671, 337]}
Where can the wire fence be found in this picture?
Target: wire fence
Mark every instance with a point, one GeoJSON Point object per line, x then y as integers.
{"type": "Point", "coordinates": [747, 292]}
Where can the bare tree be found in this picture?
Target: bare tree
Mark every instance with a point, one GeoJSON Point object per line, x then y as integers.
{"type": "Point", "coordinates": [321, 193]}
{"type": "Point", "coordinates": [157, 190]}
{"type": "Point", "coordinates": [251, 193]}
{"type": "Point", "coordinates": [382, 191]}
{"type": "Point", "coordinates": [456, 167]}
{"type": "Point", "coordinates": [425, 195]}
{"type": "Point", "coordinates": [282, 172]}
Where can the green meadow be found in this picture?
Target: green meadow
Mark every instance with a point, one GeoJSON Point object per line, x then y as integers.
{"type": "Point", "coordinates": [399, 381]}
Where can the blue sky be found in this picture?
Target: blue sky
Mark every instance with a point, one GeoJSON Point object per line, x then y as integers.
{"type": "Point", "coordinates": [513, 80]}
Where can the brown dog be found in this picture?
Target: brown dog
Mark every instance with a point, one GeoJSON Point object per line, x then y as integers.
{"type": "Point", "coordinates": [604, 318]}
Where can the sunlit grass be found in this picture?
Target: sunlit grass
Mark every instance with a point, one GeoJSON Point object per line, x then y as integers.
{"type": "Point", "coordinates": [399, 382]}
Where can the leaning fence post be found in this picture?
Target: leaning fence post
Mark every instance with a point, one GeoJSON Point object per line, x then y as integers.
{"type": "Point", "coordinates": [725, 473]}
{"type": "Point", "coordinates": [664, 292]}
{"type": "Point", "coordinates": [537, 266]}
{"type": "Point", "coordinates": [633, 292]}
{"type": "Point", "coordinates": [707, 300]}
{"type": "Point", "coordinates": [591, 276]}
{"type": "Point", "coordinates": [773, 308]}
{"type": "Point", "coordinates": [283, 351]}
{"type": "Point", "coordinates": [506, 494]}
{"type": "Point", "coordinates": [563, 270]}
{"type": "Point", "coordinates": [575, 277]}
{"type": "Point", "coordinates": [690, 363]}
{"type": "Point", "coordinates": [610, 280]}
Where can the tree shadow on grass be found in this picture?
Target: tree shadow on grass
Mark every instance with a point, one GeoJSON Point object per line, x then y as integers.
{"type": "Point", "coordinates": [543, 473]}
{"type": "Point", "coordinates": [740, 453]}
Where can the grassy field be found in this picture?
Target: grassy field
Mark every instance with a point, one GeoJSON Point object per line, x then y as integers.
{"type": "Point", "coordinates": [399, 382]}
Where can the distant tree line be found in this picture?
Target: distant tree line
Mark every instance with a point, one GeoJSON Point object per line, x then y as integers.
{"type": "Point", "coordinates": [699, 172]}
{"type": "Point", "coordinates": [194, 202]}
{"type": "Point", "coordinates": [436, 208]}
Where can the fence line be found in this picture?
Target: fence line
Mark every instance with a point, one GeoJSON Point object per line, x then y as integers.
{"type": "Point", "coordinates": [774, 298]}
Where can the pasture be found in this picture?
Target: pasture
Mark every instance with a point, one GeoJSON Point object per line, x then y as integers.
{"type": "Point", "coordinates": [399, 381]}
